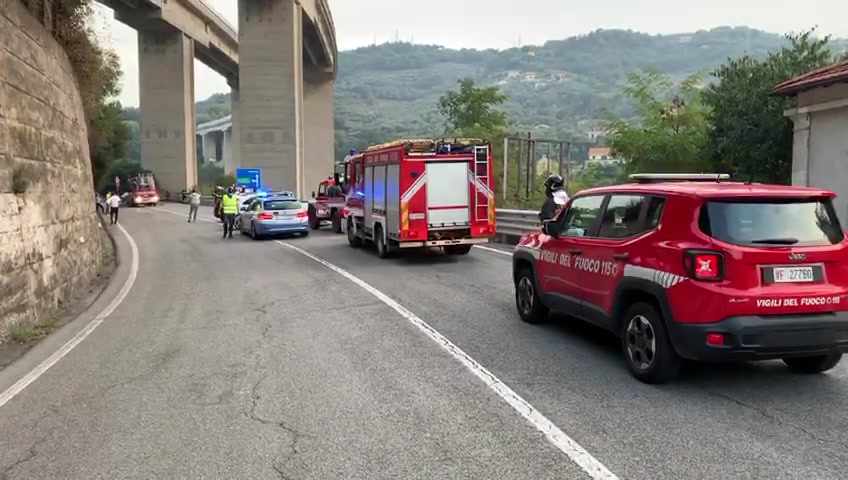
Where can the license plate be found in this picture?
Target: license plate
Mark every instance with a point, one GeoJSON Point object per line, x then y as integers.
{"type": "Point", "coordinates": [793, 274]}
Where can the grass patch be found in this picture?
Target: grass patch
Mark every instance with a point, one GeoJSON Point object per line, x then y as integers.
{"type": "Point", "coordinates": [32, 333]}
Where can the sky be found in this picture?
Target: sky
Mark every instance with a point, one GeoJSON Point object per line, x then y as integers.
{"type": "Point", "coordinates": [503, 24]}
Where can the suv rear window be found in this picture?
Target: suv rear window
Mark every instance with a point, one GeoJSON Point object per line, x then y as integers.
{"type": "Point", "coordinates": [283, 205]}
{"type": "Point", "coordinates": [772, 222]}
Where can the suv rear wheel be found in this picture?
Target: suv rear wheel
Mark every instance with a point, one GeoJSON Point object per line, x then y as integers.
{"type": "Point", "coordinates": [647, 349]}
{"type": "Point", "coordinates": [527, 298]}
{"type": "Point", "coordinates": [817, 364]}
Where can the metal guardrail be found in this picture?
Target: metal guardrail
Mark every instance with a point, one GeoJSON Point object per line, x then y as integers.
{"type": "Point", "coordinates": [516, 223]}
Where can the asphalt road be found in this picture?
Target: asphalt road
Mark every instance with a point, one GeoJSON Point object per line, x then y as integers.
{"type": "Point", "coordinates": [243, 359]}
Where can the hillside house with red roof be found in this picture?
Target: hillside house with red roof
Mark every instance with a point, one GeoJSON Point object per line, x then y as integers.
{"type": "Point", "coordinates": [820, 146]}
{"type": "Point", "coordinates": [602, 156]}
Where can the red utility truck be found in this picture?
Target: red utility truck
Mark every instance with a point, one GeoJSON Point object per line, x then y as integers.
{"type": "Point", "coordinates": [327, 204]}
{"type": "Point", "coordinates": [421, 194]}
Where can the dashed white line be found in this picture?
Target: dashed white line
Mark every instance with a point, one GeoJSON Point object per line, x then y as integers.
{"type": "Point", "coordinates": [589, 464]}
{"type": "Point", "coordinates": [53, 359]}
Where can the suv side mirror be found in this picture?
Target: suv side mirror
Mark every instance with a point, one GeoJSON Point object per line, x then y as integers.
{"type": "Point", "coordinates": [551, 227]}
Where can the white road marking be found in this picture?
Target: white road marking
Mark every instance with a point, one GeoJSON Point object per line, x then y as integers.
{"type": "Point", "coordinates": [573, 450]}
{"type": "Point", "coordinates": [53, 359]}
{"type": "Point", "coordinates": [490, 249]}
{"type": "Point", "coordinates": [589, 464]}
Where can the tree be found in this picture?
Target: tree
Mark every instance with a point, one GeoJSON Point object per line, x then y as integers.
{"type": "Point", "coordinates": [124, 170]}
{"type": "Point", "coordinates": [593, 175]}
{"type": "Point", "coordinates": [110, 141]}
{"type": "Point", "coordinates": [670, 132]}
{"type": "Point", "coordinates": [748, 132]}
{"type": "Point", "coordinates": [472, 111]}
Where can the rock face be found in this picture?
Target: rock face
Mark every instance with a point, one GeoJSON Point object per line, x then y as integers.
{"type": "Point", "coordinates": [49, 242]}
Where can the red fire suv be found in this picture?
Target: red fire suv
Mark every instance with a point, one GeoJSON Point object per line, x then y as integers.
{"type": "Point", "coordinates": [695, 267]}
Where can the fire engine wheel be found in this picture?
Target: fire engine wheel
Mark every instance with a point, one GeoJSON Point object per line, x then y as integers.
{"type": "Point", "coordinates": [647, 349]}
{"type": "Point", "coordinates": [382, 246]}
{"type": "Point", "coordinates": [352, 239]}
{"type": "Point", "coordinates": [458, 249]}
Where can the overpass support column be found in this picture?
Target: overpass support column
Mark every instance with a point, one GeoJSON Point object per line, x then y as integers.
{"type": "Point", "coordinates": [271, 91]}
{"type": "Point", "coordinates": [319, 127]}
{"type": "Point", "coordinates": [235, 134]}
{"type": "Point", "coordinates": [209, 147]}
{"type": "Point", "coordinates": [227, 151]}
{"type": "Point", "coordinates": [166, 94]}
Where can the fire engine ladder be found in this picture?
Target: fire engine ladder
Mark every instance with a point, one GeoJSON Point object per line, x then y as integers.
{"type": "Point", "coordinates": [481, 171]}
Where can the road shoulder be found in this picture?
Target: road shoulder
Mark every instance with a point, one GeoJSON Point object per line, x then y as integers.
{"type": "Point", "coordinates": [17, 360]}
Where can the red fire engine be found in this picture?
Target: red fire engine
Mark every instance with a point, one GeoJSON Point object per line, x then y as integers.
{"type": "Point", "coordinates": [420, 194]}
{"type": "Point", "coordinates": [143, 190]}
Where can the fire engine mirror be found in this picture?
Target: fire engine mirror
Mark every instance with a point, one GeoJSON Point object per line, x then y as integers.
{"type": "Point", "coordinates": [551, 227]}
{"type": "Point", "coordinates": [313, 194]}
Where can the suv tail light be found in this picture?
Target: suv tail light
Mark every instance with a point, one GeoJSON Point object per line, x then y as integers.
{"type": "Point", "coordinates": [265, 216]}
{"type": "Point", "coordinates": [302, 214]}
{"type": "Point", "coordinates": [704, 265]}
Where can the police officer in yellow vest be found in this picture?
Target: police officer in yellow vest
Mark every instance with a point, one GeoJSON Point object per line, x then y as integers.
{"type": "Point", "coordinates": [229, 210]}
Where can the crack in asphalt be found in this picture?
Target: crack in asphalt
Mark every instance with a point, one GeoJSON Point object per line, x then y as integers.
{"type": "Point", "coordinates": [774, 418]}
{"type": "Point", "coordinates": [32, 452]}
{"type": "Point", "coordinates": [57, 409]}
{"type": "Point", "coordinates": [293, 434]}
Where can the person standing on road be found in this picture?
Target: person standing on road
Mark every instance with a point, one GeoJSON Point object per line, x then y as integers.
{"type": "Point", "coordinates": [114, 206]}
{"type": "Point", "coordinates": [229, 209]}
{"type": "Point", "coordinates": [193, 204]}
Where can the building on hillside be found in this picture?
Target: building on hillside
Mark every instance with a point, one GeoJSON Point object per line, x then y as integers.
{"type": "Point", "coordinates": [820, 146]}
{"type": "Point", "coordinates": [602, 156]}
{"type": "Point", "coordinates": [595, 134]}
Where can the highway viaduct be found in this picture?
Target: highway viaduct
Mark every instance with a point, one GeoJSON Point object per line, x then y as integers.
{"type": "Point", "coordinates": [280, 63]}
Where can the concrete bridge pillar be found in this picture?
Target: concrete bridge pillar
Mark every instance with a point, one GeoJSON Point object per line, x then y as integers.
{"type": "Point", "coordinates": [227, 151]}
{"type": "Point", "coordinates": [271, 92]}
{"type": "Point", "coordinates": [166, 94]}
{"type": "Point", "coordinates": [235, 132]}
{"type": "Point", "coordinates": [209, 147]}
{"type": "Point", "coordinates": [319, 128]}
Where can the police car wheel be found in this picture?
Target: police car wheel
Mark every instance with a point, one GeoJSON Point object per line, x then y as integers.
{"type": "Point", "coordinates": [527, 299]}
{"type": "Point", "coordinates": [648, 352]}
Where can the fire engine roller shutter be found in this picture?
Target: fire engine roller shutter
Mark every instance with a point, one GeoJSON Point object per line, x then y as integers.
{"type": "Point", "coordinates": [447, 193]}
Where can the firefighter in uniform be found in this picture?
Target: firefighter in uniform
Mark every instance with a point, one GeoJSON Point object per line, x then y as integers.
{"type": "Point", "coordinates": [556, 197]}
{"type": "Point", "coordinates": [229, 210]}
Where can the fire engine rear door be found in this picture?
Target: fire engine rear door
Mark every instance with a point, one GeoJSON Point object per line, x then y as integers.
{"type": "Point", "coordinates": [447, 194]}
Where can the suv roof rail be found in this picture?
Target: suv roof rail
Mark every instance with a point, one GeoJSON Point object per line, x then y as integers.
{"type": "Point", "coordinates": [678, 177]}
